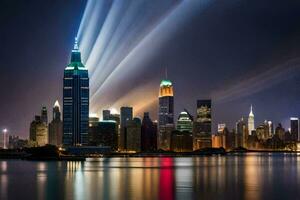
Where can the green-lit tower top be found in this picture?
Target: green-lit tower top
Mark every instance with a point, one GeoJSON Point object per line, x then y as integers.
{"type": "Point", "coordinates": [75, 63]}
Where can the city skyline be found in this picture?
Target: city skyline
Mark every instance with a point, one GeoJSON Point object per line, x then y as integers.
{"type": "Point", "coordinates": [242, 69]}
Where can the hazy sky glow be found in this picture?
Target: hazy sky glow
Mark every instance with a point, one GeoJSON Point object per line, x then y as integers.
{"type": "Point", "coordinates": [236, 52]}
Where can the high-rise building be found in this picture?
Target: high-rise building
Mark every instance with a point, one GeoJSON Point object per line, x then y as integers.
{"type": "Point", "coordinates": [75, 101]}
{"type": "Point", "coordinates": [165, 114]}
{"type": "Point", "coordinates": [251, 125]}
{"type": "Point", "coordinates": [295, 128]}
{"type": "Point", "coordinates": [181, 141]}
{"type": "Point", "coordinates": [133, 135]}
{"type": "Point", "coordinates": [126, 115]}
{"type": "Point", "coordinates": [202, 125]}
{"type": "Point", "coordinates": [39, 131]}
{"type": "Point", "coordinates": [185, 122]}
{"type": "Point", "coordinates": [148, 134]}
{"type": "Point", "coordinates": [106, 114]}
{"type": "Point", "coordinates": [4, 139]}
{"type": "Point", "coordinates": [280, 132]}
{"type": "Point", "coordinates": [56, 126]}
{"type": "Point", "coordinates": [241, 133]}
{"type": "Point", "coordinates": [103, 133]}
{"type": "Point", "coordinates": [44, 115]}
{"type": "Point", "coordinates": [262, 131]}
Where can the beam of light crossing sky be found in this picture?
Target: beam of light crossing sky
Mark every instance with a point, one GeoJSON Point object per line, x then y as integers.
{"type": "Point", "coordinates": [257, 82]}
{"type": "Point", "coordinates": [146, 48]}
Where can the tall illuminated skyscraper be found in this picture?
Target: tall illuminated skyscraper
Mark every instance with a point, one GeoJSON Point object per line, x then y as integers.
{"type": "Point", "coordinates": [251, 126]}
{"type": "Point", "coordinates": [165, 114]}
{"type": "Point", "coordinates": [75, 101]}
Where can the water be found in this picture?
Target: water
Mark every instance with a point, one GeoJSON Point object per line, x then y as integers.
{"type": "Point", "coordinates": [252, 176]}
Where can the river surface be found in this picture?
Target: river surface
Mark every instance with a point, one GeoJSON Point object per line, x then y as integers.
{"type": "Point", "coordinates": [251, 176]}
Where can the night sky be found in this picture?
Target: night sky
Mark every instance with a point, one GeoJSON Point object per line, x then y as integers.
{"type": "Point", "coordinates": [236, 52]}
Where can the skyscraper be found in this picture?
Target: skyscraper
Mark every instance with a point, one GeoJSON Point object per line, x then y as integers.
{"type": "Point", "coordinates": [56, 126]}
{"type": "Point", "coordinates": [295, 128]}
{"type": "Point", "coordinates": [39, 131]}
{"type": "Point", "coordinates": [202, 125]}
{"type": "Point", "coordinates": [165, 114]}
{"type": "Point", "coordinates": [185, 122]}
{"type": "Point", "coordinates": [251, 126]}
{"type": "Point", "coordinates": [106, 114]}
{"type": "Point", "coordinates": [148, 134]}
{"type": "Point", "coordinates": [241, 133]}
{"type": "Point", "coordinates": [133, 135]}
{"type": "Point", "coordinates": [75, 101]}
{"type": "Point", "coordinates": [44, 115]}
{"type": "Point", "coordinates": [126, 115]}
{"type": "Point", "coordinates": [4, 139]}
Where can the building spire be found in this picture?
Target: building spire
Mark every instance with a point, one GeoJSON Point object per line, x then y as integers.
{"type": "Point", "coordinates": [76, 44]}
{"type": "Point", "coordinates": [251, 111]}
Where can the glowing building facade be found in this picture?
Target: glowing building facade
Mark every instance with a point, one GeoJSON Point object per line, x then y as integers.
{"type": "Point", "coordinates": [251, 126]}
{"type": "Point", "coordinates": [165, 114]}
{"type": "Point", "coordinates": [185, 122]}
{"type": "Point", "coordinates": [75, 101]}
{"type": "Point", "coordinates": [202, 125]}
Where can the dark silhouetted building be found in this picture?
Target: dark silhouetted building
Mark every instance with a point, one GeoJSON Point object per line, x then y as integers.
{"type": "Point", "coordinates": [104, 133]}
{"type": "Point", "coordinates": [106, 114]}
{"type": "Point", "coordinates": [202, 125]}
{"type": "Point", "coordinates": [44, 115]}
{"type": "Point", "coordinates": [295, 128]}
{"type": "Point", "coordinates": [56, 126]}
{"type": "Point", "coordinates": [148, 134]}
{"type": "Point", "coordinates": [133, 135]}
{"type": "Point", "coordinates": [182, 141]}
{"type": "Point", "coordinates": [75, 101]}
{"type": "Point", "coordinates": [241, 133]}
{"type": "Point", "coordinates": [280, 132]}
{"type": "Point", "coordinates": [165, 114]}
{"type": "Point", "coordinates": [126, 115]}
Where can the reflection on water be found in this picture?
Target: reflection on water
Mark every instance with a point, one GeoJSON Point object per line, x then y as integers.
{"type": "Point", "coordinates": [254, 176]}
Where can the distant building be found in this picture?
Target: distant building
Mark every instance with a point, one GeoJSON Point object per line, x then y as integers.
{"type": "Point", "coordinates": [133, 135]}
{"type": "Point", "coordinates": [56, 126]}
{"type": "Point", "coordinates": [106, 114]}
{"type": "Point", "coordinates": [4, 139]}
{"type": "Point", "coordinates": [202, 125]}
{"type": "Point", "coordinates": [241, 133]}
{"type": "Point", "coordinates": [262, 131]}
{"type": "Point", "coordinates": [148, 134]}
{"type": "Point", "coordinates": [126, 115]}
{"type": "Point", "coordinates": [182, 141]}
{"type": "Point", "coordinates": [39, 131]}
{"type": "Point", "coordinates": [280, 132]}
{"type": "Point", "coordinates": [185, 122]}
{"type": "Point", "coordinates": [251, 125]}
{"type": "Point", "coordinates": [44, 115]}
{"type": "Point", "coordinates": [165, 114]}
{"type": "Point", "coordinates": [75, 101]}
{"type": "Point", "coordinates": [104, 133]}
{"type": "Point", "coordinates": [295, 128]}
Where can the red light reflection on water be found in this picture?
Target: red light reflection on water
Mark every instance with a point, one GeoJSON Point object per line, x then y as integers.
{"type": "Point", "coordinates": [166, 179]}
